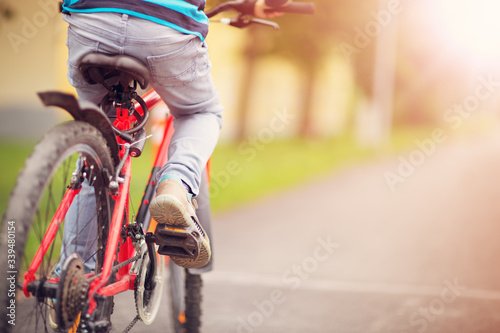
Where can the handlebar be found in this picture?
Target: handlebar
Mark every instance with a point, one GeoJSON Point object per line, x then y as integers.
{"type": "Point", "coordinates": [296, 8]}
{"type": "Point", "coordinates": [246, 7]}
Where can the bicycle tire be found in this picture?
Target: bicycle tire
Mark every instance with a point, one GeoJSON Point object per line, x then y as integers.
{"type": "Point", "coordinates": [186, 299]}
{"type": "Point", "coordinates": [32, 203]}
{"type": "Point", "coordinates": [186, 285]}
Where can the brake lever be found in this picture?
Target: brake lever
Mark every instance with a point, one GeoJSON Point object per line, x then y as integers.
{"type": "Point", "coordinates": [244, 21]}
{"type": "Point", "coordinates": [266, 23]}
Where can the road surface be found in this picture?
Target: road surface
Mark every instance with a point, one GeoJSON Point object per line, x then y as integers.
{"type": "Point", "coordinates": [348, 253]}
{"type": "Point", "coordinates": [351, 253]}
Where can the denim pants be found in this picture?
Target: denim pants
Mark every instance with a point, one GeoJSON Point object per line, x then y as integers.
{"type": "Point", "coordinates": [180, 74]}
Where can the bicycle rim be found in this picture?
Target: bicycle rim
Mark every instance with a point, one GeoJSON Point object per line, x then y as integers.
{"type": "Point", "coordinates": [69, 148]}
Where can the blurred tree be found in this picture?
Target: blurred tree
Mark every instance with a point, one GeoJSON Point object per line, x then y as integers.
{"type": "Point", "coordinates": [6, 12]}
{"type": "Point", "coordinates": [250, 54]}
{"type": "Point", "coordinates": [307, 41]}
{"type": "Point", "coordinates": [310, 40]}
{"type": "Point", "coordinates": [429, 78]}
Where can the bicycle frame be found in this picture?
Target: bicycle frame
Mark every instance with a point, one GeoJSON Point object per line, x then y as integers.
{"type": "Point", "coordinates": [124, 280]}
{"type": "Point", "coordinates": [124, 253]}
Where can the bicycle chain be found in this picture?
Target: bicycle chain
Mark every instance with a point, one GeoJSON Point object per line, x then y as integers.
{"type": "Point", "coordinates": [115, 269]}
{"type": "Point", "coordinates": [137, 317]}
{"type": "Point", "coordinates": [134, 321]}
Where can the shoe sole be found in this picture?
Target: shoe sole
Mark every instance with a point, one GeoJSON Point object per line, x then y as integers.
{"type": "Point", "coordinates": [168, 210]}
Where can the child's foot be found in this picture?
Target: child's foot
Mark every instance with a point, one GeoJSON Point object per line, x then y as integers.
{"type": "Point", "coordinates": [173, 208]}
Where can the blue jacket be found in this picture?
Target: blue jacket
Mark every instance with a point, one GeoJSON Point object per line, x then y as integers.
{"type": "Point", "coordinates": [186, 16]}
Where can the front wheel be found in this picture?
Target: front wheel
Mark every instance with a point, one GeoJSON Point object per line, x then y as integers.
{"type": "Point", "coordinates": [186, 285]}
{"type": "Point", "coordinates": [72, 153]}
{"type": "Point", "coordinates": [186, 297]}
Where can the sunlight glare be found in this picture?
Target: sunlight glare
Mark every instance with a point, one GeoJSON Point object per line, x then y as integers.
{"type": "Point", "coordinates": [471, 25]}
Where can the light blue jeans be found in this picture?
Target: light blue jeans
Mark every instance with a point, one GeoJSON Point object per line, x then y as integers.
{"type": "Point", "coordinates": [180, 70]}
{"type": "Point", "coordinates": [180, 74]}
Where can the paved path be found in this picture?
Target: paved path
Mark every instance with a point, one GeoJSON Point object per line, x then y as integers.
{"type": "Point", "coordinates": [347, 254]}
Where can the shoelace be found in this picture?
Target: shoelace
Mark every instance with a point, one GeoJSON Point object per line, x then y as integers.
{"type": "Point", "coordinates": [200, 229]}
{"type": "Point", "coordinates": [193, 202]}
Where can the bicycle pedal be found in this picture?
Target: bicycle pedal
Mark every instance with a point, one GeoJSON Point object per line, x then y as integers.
{"type": "Point", "coordinates": [101, 326]}
{"type": "Point", "coordinates": [177, 241]}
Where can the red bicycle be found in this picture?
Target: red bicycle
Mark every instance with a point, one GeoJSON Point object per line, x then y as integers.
{"type": "Point", "coordinates": [90, 160]}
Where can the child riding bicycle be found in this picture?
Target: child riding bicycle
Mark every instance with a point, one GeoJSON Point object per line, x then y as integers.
{"type": "Point", "coordinates": [169, 38]}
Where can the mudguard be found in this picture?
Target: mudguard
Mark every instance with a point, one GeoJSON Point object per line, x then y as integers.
{"type": "Point", "coordinates": [86, 112]}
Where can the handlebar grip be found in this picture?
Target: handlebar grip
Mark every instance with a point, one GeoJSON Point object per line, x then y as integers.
{"type": "Point", "coordinates": [296, 8]}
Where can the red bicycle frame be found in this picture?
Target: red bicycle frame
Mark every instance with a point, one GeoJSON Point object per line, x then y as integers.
{"type": "Point", "coordinates": [124, 280]}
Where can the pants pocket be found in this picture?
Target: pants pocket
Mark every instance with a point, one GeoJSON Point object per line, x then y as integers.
{"type": "Point", "coordinates": [78, 46]}
{"type": "Point", "coordinates": [176, 68]}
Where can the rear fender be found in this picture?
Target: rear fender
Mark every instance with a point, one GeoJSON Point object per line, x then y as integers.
{"type": "Point", "coordinates": [86, 112]}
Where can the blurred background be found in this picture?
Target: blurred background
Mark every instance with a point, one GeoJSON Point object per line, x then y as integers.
{"type": "Point", "coordinates": [390, 108]}
{"type": "Point", "coordinates": [358, 79]}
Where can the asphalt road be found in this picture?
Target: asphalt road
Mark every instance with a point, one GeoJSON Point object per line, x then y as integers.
{"type": "Point", "coordinates": [348, 253]}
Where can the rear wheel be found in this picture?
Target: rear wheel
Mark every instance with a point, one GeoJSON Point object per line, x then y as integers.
{"type": "Point", "coordinates": [72, 153]}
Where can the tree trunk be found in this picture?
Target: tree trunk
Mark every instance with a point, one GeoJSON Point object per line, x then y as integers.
{"type": "Point", "coordinates": [246, 85]}
{"type": "Point", "coordinates": [306, 126]}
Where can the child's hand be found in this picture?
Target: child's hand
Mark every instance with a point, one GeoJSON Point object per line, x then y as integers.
{"type": "Point", "coordinates": [260, 7]}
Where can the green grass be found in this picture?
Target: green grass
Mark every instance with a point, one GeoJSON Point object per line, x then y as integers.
{"type": "Point", "coordinates": [247, 171]}
{"type": "Point", "coordinates": [244, 172]}
{"type": "Point", "coordinates": [13, 156]}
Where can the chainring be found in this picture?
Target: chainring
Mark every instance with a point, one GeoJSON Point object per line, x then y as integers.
{"type": "Point", "coordinates": [147, 298]}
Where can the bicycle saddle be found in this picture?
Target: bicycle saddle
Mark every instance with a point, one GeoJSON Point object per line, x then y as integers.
{"type": "Point", "coordinates": [98, 67]}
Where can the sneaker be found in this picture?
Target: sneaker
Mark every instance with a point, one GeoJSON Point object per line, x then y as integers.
{"type": "Point", "coordinates": [174, 208]}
